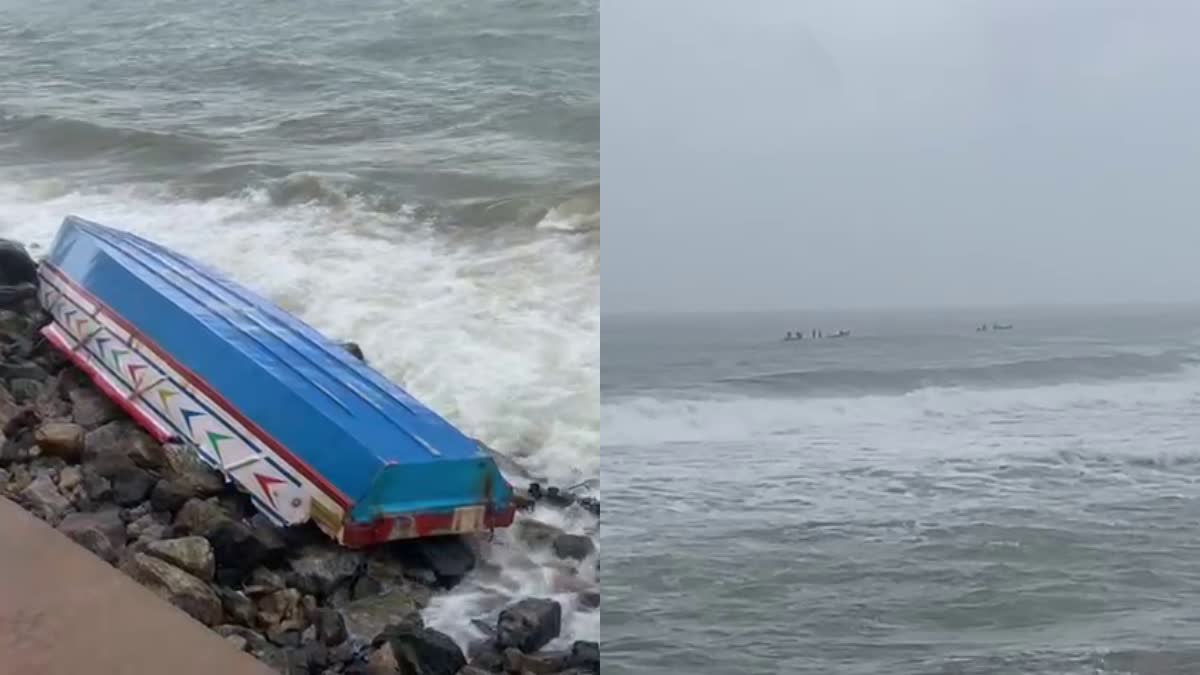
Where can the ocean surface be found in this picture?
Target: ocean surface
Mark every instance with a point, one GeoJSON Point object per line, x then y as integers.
{"type": "Point", "coordinates": [916, 498]}
{"type": "Point", "coordinates": [421, 176]}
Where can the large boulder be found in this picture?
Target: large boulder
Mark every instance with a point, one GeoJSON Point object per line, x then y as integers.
{"type": "Point", "coordinates": [60, 439]}
{"type": "Point", "coordinates": [416, 650]}
{"type": "Point", "coordinates": [535, 533]}
{"type": "Point", "coordinates": [44, 500]}
{"type": "Point", "coordinates": [130, 484]}
{"type": "Point", "coordinates": [331, 627]}
{"type": "Point", "coordinates": [193, 555]}
{"type": "Point", "coordinates": [529, 625]}
{"type": "Point", "coordinates": [585, 656]}
{"type": "Point", "coordinates": [240, 548]}
{"type": "Point", "coordinates": [16, 265]}
{"type": "Point", "coordinates": [176, 586]}
{"type": "Point", "coordinates": [238, 607]}
{"type": "Point", "coordinates": [189, 473]}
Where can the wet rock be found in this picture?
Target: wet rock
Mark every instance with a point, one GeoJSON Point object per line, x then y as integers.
{"type": "Point", "coordinates": [588, 600]}
{"type": "Point", "coordinates": [316, 656]}
{"type": "Point", "coordinates": [535, 533]}
{"type": "Point", "coordinates": [239, 643]}
{"type": "Point", "coordinates": [321, 568]}
{"type": "Point", "coordinates": [573, 546]}
{"type": "Point", "coordinates": [487, 657]}
{"type": "Point", "coordinates": [366, 587]}
{"type": "Point", "coordinates": [542, 663]}
{"type": "Point", "coordinates": [382, 661]}
{"type": "Point", "coordinates": [60, 439]}
{"type": "Point", "coordinates": [238, 607]}
{"type": "Point", "coordinates": [450, 558]}
{"type": "Point", "coordinates": [69, 478]}
{"type": "Point", "coordinates": [90, 407]}
{"type": "Point", "coordinates": [193, 555]}
{"type": "Point", "coordinates": [529, 625]}
{"type": "Point", "coordinates": [371, 616]}
{"type": "Point", "coordinates": [176, 586]}
{"type": "Point", "coordinates": [331, 627]}
{"type": "Point", "coordinates": [422, 651]}
{"type": "Point", "coordinates": [44, 500]}
{"type": "Point", "coordinates": [148, 527]}
{"type": "Point", "coordinates": [585, 656]}
{"type": "Point", "coordinates": [342, 653]}
{"type": "Point", "coordinates": [16, 265]}
{"type": "Point", "coordinates": [354, 349]}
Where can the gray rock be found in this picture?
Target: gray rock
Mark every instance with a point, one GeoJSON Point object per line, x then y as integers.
{"type": "Point", "coordinates": [588, 599]}
{"type": "Point", "coordinates": [238, 607]}
{"type": "Point", "coordinates": [331, 627]}
{"type": "Point", "coordinates": [422, 651]}
{"type": "Point", "coordinates": [176, 586]}
{"type": "Point", "coordinates": [280, 608]}
{"type": "Point", "coordinates": [44, 500]}
{"type": "Point", "coordinates": [450, 558]}
{"type": "Point", "coordinates": [185, 469]}
{"type": "Point", "coordinates": [529, 625]}
{"type": "Point", "coordinates": [201, 516]}
{"type": "Point", "coordinates": [193, 555]}
{"type": "Point", "coordinates": [320, 568]}
{"type": "Point", "coordinates": [573, 546]}
{"type": "Point", "coordinates": [542, 663]}
{"type": "Point", "coordinates": [26, 370]}
{"type": "Point", "coordinates": [60, 439]}
{"type": "Point", "coordinates": [96, 487]}
{"type": "Point", "coordinates": [106, 522]}
{"type": "Point", "coordinates": [123, 437]}
{"type": "Point", "coordinates": [535, 533]}
{"type": "Point", "coordinates": [92, 408]}
{"type": "Point", "coordinates": [16, 265]}
{"type": "Point", "coordinates": [585, 656]}
{"type": "Point", "coordinates": [70, 478]}
{"type": "Point", "coordinates": [131, 485]}
{"type": "Point", "coordinates": [169, 496]}
{"type": "Point", "coordinates": [239, 643]}
{"type": "Point", "coordinates": [149, 527]}
{"type": "Point", "coordinates": [25, 390]}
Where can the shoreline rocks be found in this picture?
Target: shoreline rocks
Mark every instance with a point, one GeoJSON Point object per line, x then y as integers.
{"type": "Point", "coordinates": [292, 598]}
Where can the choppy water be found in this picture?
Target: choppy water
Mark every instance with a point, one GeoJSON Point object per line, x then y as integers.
{"type": "Point", "coordinates": [421, 176]}
{"type": "Point", "coordinates": [917, 498]}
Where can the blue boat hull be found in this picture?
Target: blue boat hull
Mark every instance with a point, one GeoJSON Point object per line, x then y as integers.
{"type": "Point", "coordinates": [307, 430]}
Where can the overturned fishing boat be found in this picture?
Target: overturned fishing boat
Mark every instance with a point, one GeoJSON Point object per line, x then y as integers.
{"type": "Point", "coordinates": [296, 421]}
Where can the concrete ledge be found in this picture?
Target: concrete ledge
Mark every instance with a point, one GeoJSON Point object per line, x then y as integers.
{"type": "Point", "coordinates": [62, 610]}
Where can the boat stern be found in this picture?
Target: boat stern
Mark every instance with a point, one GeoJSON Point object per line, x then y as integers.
{"type": "Point", "coordinates": [408, 501]}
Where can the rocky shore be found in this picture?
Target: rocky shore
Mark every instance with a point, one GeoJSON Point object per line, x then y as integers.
{"type": "Point", "coordinates": [292, 598]}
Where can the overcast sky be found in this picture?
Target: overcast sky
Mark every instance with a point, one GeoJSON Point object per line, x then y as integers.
{"type": "Point", "coordinates": [789, 154]}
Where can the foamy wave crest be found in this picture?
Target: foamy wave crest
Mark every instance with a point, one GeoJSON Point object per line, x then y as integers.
{"type": "Point", "coordinates": [649, 421]}
{"type": "Point", "coordinates": [580, 213]}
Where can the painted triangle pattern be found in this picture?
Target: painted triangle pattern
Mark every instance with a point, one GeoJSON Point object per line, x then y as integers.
{"type": "Point", "coordinates": [187, 418]}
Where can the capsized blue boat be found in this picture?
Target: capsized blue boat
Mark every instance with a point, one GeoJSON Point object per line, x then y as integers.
{"type": "Point", "coordinates": [306, 429]}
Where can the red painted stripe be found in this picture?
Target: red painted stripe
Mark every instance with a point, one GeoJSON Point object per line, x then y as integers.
{"type": "Point", "coordinates": [357, 535]}
{"type": "Point", "coordinates": [157, 430]}
{"type": "Point", "coordinates": [195, 380]}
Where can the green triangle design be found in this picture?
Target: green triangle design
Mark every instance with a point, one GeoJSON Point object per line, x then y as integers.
{"type": "Point", "coordinates": [117, 354]}
{"type": "Point", "coordinates": [214, 438]}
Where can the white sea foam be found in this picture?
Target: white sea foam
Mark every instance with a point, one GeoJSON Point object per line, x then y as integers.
{"type": "Point", "coordinates": [498, 331]}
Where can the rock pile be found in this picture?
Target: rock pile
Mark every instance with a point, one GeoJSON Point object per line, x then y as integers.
{"type": "Point", "coordinates": [291, 598]}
